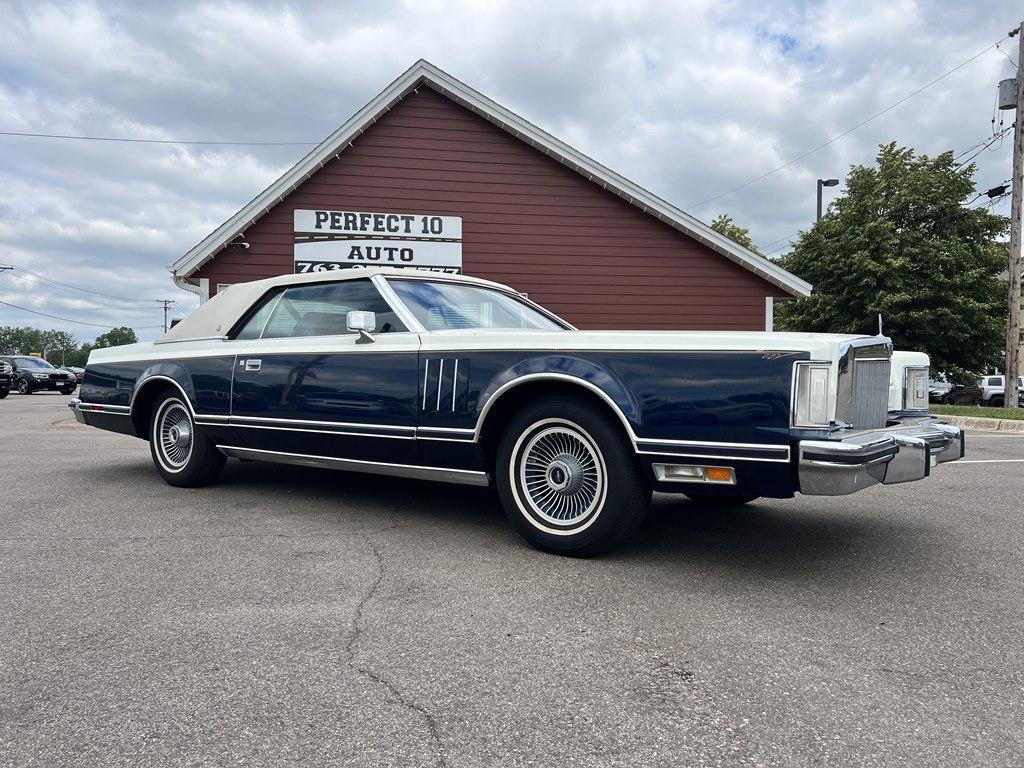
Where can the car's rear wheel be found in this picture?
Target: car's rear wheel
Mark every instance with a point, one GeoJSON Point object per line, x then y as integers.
{"type": "Point", "coordinates": [568, 478]}
{"type": "Point", "coordinates": [24, 387]}
{"type": "Point", "coordinates": [184, 456]}
{"type": "Point", "coordinates": [996, 401]}
{"type": "Point", "coordinates": [4, 393]}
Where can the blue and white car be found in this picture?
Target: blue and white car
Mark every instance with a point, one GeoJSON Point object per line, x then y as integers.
{"type": "Point", "coordinates": [446, 377]}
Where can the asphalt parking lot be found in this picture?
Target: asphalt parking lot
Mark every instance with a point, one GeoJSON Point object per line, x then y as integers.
{"type": "Point", "coordinates": [299, 617]}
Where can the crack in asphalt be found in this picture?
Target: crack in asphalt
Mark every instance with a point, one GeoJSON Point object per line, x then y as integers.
{"type": "Point", "coordinates": [357, 633]}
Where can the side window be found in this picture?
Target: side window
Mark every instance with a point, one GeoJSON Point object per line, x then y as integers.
{"type": "Point", "coordinates": [253, 327]}
{"type": "Point", "coordinates": [319, 309]}
{"type": "Point", "coordinates": [995, 381]}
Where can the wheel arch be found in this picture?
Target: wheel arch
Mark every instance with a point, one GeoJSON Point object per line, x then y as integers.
{"type": "Point", "coordinates": [148, 387]}
{"type": "Point", "coordinates": [505, 399]}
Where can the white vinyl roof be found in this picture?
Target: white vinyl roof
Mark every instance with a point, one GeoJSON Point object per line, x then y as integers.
{"type": "Point", "coordinates": [218, 315]}
{"type": "Point", "coordinates": [423, 73]}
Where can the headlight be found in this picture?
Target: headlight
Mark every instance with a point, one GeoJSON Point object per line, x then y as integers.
{"type": "Point", "coordinates": [41, 375]}
{"type": "Point", "coordinates": [810, 401]}
{"type": "Point", "coordinates": [915, 389]}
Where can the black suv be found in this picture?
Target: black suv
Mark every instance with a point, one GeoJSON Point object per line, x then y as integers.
{"type": "Point", "coordinates": [34, 373]}
{"type": "Point", "coordinates": [6, 379]}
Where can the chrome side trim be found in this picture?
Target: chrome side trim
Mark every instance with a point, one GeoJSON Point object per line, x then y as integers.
{"type": "Point", "coordinates": [311, 431]}
{"type": "Point", "coordinates": [395, 427]}
{"type": "Point", "coordinates": [768, 446]}
{"type": "Point", "coordinates": [118, 410]}
{"type": "Point", "coordinates": [442, 474]}
{"type": "Point", "coordinates": [440, 381]}
{"type": "Point", "coordinates": [426, 378]}
{"type": "Point", "coordinates": [191, 338]}
{"type": "Point", "coordinates": [481, 419]}
{"type": "Point", "coordinates": [455, 384]}
{"type": "Point", "coordinates": [715, 456]}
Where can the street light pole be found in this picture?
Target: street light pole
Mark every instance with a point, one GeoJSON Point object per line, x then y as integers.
{"type": "Point", "coordinates": [824, 183]}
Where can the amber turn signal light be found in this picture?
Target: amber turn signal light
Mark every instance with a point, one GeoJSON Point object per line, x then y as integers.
{"type": "Point", "coordinates": [719, 474]}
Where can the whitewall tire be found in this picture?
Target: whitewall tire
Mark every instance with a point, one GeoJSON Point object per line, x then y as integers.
{"type": "Point", "coordinates": [568, 478]}
{"type": "Point", "coordinates": [183, 455]}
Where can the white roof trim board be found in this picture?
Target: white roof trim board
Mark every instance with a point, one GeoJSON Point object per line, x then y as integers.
{"type": "Point", "coordinates": [425, 73]}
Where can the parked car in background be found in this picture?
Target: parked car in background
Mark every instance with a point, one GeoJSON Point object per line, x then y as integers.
{"type": "Point", "coordinates": [938, 389]}
{"type": "Point", "coordinates": [962, 394]}
{"type": "Point", "coordinates": [6, 378]}
{"type": "Point", "coordinates": [993, 389]}
{"type": "Point", "coordinates": [32, 374]}
{"type": "Point", "coordinates": [79, 372]}
{"type": "Point", "coordinates": [451, 378]}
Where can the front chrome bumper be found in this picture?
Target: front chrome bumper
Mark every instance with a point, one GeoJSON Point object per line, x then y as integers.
{"type": "Point", "coordinates": [858, 460]}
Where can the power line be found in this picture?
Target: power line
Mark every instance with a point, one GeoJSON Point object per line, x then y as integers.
{"type": "Point", "coordinates": [127, 140]}
{"type": "Point", "coordinates": [69, 320]}
{"type": "Point", "coordinates": [50, 282]}
{"type": "Point", "coordinates": [985, 145]}
{"type": "Point", "coordinates": [849, 130]}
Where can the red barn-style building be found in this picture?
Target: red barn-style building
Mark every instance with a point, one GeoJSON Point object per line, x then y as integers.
{"type": "Point", "coordinates": [433, 174]}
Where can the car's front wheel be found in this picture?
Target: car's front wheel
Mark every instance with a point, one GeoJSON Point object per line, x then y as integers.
{"type": "Point", "coordinates": [4, 392]}
{"type": "Point", "coordinates": [184, 456]}
{"type": "Point", "coordinates": [568, 478]}
{"type": "Point", "coordinates": [24, 387]}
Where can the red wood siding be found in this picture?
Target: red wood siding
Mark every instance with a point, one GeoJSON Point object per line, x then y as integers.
{"type": "Point", "coordinates": [528, 221]}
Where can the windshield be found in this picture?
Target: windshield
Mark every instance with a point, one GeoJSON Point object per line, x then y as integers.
{"type": "Point", "coordinates": [32, 362]}
{"type": "Point", "coordinates": [442, 306]}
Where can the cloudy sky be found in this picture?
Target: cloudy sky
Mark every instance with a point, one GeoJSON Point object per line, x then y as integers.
{"type": "Point", "coordinates": [689, 99]}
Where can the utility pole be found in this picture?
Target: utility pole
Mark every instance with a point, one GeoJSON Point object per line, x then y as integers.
{"type": "Point", "coordinates": [167, 303]}
{"type": "Point", "coordinates": [1016, 263]}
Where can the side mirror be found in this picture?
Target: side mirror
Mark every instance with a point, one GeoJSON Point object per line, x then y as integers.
{"type": "Point", "coordinates": [362, 322]}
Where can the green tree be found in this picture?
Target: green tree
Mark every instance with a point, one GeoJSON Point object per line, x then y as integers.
{"type": "Point", "coordinates": [115, 337]}
{"type": "Point", "coordinates": [724, 225]}
{"type": "Point", "coordinates": [25, 340]}
{"type": "Point", "coordinates": [901, 243]}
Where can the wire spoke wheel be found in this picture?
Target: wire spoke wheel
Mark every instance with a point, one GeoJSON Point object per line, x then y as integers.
{"type": "Point", "coordinates": [174, 435]}
{"type": "Point", "coordinates": [562, 474]}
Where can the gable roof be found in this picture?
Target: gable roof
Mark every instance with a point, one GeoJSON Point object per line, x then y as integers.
{"type": "Point", "coordinates": [424, 73]}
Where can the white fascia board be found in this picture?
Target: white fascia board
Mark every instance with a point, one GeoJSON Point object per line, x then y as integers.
{"type": "Point", "coordinates": [425, 72]}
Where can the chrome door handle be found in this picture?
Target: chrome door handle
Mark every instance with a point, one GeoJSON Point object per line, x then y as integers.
{"type": "Point", "coordinates": [252, 364]}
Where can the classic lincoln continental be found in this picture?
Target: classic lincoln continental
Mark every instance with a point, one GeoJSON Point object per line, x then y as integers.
{"type": "Point", "coordinates": [445, 377]}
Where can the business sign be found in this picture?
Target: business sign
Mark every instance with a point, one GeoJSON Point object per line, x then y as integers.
{"type": "Point", "coordinates": [326, 240]}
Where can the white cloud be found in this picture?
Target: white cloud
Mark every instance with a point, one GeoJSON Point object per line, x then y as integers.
{"type": "Point", "coordinates": [687, 98]}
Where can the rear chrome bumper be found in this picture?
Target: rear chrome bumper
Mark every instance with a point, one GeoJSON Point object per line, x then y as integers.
{"type": "Point", "coordinates": [74, 404]}
{"type": "Point", "coordinates": [858, 460]}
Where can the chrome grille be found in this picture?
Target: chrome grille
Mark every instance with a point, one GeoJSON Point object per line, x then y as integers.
{"type": "Point", "coordinates": [870, 401]}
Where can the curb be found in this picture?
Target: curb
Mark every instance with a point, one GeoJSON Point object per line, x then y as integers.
{"type": "Point", "coordinates": [984, 425]}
